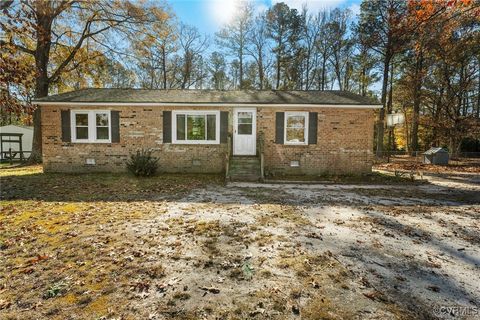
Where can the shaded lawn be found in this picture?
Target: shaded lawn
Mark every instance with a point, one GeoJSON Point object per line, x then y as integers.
{"type": "Point", "coordinates": [112, 246]}
{"type": "Point", "coordinates": [53, 228]}
{"type": "Point", "coordinates": [30, 182]}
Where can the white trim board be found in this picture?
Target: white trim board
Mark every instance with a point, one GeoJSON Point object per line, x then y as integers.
{"type": "Point", "coordinates": [193, 104]}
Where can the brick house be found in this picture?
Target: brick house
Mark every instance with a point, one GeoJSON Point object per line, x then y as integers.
{"type": "Point", "coordinates": [248, 134]}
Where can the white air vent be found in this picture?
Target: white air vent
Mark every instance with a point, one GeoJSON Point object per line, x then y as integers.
{"type": "Point", "coordinates": [295, 163]}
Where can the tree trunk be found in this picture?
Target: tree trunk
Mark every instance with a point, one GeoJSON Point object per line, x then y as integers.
{"type": "Point", "coordinates": [260, 71]}
{"type": "Point", "coordinates": [42, 54]}
{"type": "Point", "coordinates": [278, 72]}
{"type": "Point", "coordinates": [381, 117]}
{"type": "Point", "coordinates": [241, 67]}
{"type": "Point", "coordinates": [324, 65]}
{"type": "Point", "coordinates": [363, 90]}
{"type": "Point", "coordinates": [406, 130]}
{"type": "Point", "coordinates": [417, 100]}
{"type": "Point", "coordinates": [164, 67]}
{"type": "Point", "coordinates": [390, 107]}
{"type": "Point", "coordinates": [478, 91]}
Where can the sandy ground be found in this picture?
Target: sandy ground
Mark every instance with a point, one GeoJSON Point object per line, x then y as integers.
{"type": "Point", "coordinates": [324, 251]}
{"type": "Point", "coordinates": [273, 251]}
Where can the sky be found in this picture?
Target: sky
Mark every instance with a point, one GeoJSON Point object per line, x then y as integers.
{"type": "Point", "coordinates": [210, 15]}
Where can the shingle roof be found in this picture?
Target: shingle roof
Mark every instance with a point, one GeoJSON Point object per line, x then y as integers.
{"type": "Point", "coordinates": [434, 150]}
{"type": "Point", "coordinates": [210, 96]}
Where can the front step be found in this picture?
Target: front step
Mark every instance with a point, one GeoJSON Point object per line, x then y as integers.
{"type": "Point", "coordinates": [244, 168]}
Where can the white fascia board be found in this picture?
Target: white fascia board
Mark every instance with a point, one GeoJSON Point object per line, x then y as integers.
{"type": "Point", "coordinates": [193, 104]}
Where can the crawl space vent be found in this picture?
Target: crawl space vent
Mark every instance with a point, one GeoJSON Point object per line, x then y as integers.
{"type": "Point", "coordinates": [295, 163]}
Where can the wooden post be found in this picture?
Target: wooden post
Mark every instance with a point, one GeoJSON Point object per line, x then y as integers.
{"type": "Point", "coordinates": [21, 151]}
{"type": "Point", "coordinates": [10, 154]}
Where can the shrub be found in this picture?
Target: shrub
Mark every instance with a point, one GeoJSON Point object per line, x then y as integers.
{"type": "Point", "coordinates": [142, 163]}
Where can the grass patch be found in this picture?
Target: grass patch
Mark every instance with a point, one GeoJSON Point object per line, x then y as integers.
{"type": "Point", "coordinates": [30, 182]}
{"type": "Point", "coordinates": [64, 244]}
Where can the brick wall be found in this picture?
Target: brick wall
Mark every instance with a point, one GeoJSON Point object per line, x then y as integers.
{"type": "Point", "coordinates": [139, 128]}
{"type": "Point", "coordinates": [345, 142]}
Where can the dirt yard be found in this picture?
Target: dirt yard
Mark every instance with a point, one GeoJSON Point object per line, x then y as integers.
{"type": "Point", "coordinates": [189, 247]}
{"type": "Point", "coordinates": [408, 163]}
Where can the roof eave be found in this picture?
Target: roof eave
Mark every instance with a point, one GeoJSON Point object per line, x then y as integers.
{"type": "Point", "coordinates": [216, 104]}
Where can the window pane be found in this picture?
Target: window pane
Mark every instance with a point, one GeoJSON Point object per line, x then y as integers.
{"type": "Point", "coordinates": [81, 119]}
{"type": "Point", "coordinates": [82, 132]}
{"type": "Point", "coordinates": [245, 128]}
{"type": "Point", "coordinates": [296, 122]}
{"type": "Point", "coordinates": [102, 133]}
{"type": "Point", "coordinates": [245, 117]}
{"type": "Point", "coordinates": [295, 135]}
{"type": "Point", "coordinates": [180, 127]}
{"type": "Point", "coordinates": [102, 119]}
{"type": "Point", "coordinates": [196, 127]}
{"type": "Point", "coordinates": [211, 132]}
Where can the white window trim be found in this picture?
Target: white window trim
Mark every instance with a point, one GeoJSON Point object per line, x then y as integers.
{"type": "Point", "coordinates": [92, 126]}
{"type": "Point", "coordinates": [195, 113]}
{"type": "Point", "coordinates": [287, 114]}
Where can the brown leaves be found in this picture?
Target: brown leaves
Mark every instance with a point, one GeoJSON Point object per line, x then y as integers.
{"type": "Point", "coordinates": [375, 295]}
{"type": "Point", "coordinates": [37, 259]}
{"type": "Point", "coordinates": [210, 289]}
{"type": "Point", "coordinates": [4, 304]}
{"type": "Point", "coordinates": [140, 286]}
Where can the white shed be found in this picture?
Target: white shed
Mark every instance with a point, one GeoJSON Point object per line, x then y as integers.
{"type": "Point", "coordinates": [27, 138]}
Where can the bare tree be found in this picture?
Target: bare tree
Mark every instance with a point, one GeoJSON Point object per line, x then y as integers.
{"type": "Point", "coordinates": [192, 46]}
{"type": "Point", "coordinates": [258, 48]}
{"type": "Point", "coordinates": [341, 47]}
{"type": "Point", "coordinates": [324, 48]}
{"type": "Point", "coordinates": [234, 36]}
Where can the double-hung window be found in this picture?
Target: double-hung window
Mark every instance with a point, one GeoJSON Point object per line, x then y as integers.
{"type": "Point", "coordinates": [93, 126]}
{"type": "Point", "coordinates": [296, 128]}
{"type": "Point", "coordinates": [196, 127]}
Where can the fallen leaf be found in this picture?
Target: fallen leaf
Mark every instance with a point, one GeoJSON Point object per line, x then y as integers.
{"type": "Point", "coordinates": [210, 289]}
{"type": "Point", "coordinates": [4, 304]}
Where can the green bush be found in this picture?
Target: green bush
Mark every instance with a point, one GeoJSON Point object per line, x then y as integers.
{"type": "Point", "coordinates": [143, 164]}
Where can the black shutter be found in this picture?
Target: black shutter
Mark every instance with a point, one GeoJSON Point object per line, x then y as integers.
{"type": "Point", "coordinates": [167, 126]}
{"type": "Point", "coordinates": [115, 115]}
{"type": "Point", "coordinates": [279, 127]}
{"type": "Point", "coordinates": [223, 126]}
{"type": "Point", "coordinates": [66, 130]}
{"type": "Point", "coordinates": [312, 127]}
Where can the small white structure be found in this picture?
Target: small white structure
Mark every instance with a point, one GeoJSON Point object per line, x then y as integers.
{"type": "Point", "coordinates": [394, 119]}
{"type": "Point", "coordinates": [27, 138]}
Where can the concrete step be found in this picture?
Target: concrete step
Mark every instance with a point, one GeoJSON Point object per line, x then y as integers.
{"type": "Point", "coordinates": [245, 177]}
{"type": "Point", "coordinates": [244, 162]}
{"type": "Point", "coordinates": [244, 168]}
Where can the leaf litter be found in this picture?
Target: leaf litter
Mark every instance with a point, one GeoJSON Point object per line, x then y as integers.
{"type": "Point", "coordinates": [192, 248]}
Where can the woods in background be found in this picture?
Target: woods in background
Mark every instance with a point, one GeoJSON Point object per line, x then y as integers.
{"type": "Point", "coordinates": [418, 57]}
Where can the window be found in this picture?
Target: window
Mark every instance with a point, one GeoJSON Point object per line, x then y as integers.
{"type": "Point", "coordinates": [196, 127]}
{"type": "Point", "coordinates": [91, 126]}
{"type": "Point", "coordinates": [245, 122]}
{"type": "Point", "coordinates": [296, 127]}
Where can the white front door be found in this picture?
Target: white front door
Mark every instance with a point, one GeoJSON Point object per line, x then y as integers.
{"type": "Point", "coordinates": [244, 132]}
